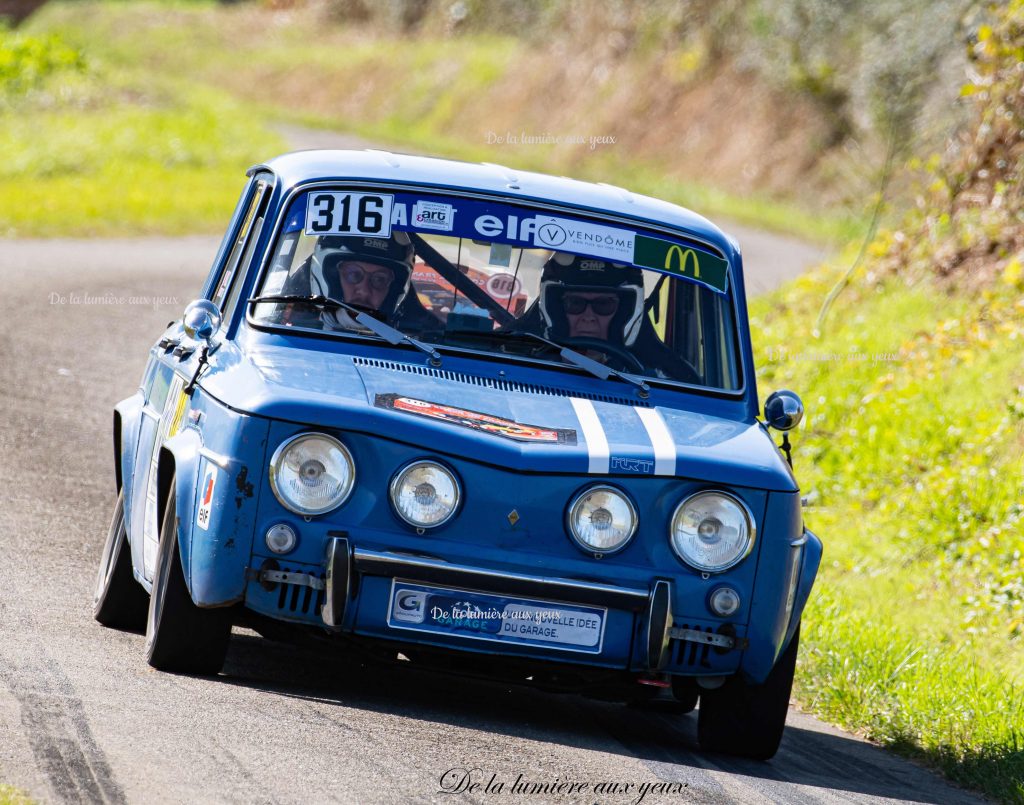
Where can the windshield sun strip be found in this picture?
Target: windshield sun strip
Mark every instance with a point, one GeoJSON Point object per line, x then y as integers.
{"type": "Point", "coordinates": [290, 195]}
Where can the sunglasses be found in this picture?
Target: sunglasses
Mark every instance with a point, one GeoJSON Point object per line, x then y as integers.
{"type": "Point", "coordinates": [379, 280]}
{"type": "Point", "coordinates": [602, 305]}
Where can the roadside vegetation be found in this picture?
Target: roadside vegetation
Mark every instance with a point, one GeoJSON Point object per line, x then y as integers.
{"type": "Point", "coordinates": [687, 101]}
{"type": "Point", "coordinates": [121, 118]}
{"type": "Point", "coordinates": [92, 147]}
{"type": "Point", "coordinates": [914, 450]}
{"type": "Point", "coordinates": [784, 115]}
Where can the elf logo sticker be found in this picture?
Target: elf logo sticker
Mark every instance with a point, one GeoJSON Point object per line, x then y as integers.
{"type": "Point", "coordinates": [206, 499]}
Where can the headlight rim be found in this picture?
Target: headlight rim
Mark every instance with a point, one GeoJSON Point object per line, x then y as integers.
{"type": "Point", "coordinates": [589, 549]}
{"type": "Point", "coordinates": [751, 528]}
{"type": "Point", "coordinates": [280, 451]}
{"type": "Point", "coordinates": [402, 470]}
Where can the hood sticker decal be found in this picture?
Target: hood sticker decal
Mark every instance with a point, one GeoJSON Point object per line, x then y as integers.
{"type": "Point", "coordinates": [496, 426]}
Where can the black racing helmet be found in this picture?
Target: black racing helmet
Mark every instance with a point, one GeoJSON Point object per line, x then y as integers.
{"type": "Point", "coordinates": [395, 253]}
{"type": "Point", "coordinates": [569, 272]}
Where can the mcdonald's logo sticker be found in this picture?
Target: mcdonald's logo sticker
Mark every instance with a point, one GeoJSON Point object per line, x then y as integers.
{"type": "Point", "coordinates": [675, 250]}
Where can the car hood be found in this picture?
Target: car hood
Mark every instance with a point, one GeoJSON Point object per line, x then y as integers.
{"type": "Point", "coordinates": [524, 427]}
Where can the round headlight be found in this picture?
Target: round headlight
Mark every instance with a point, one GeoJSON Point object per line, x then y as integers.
{"type": "Point", "coordinates": [425, 494]}
{"type": "Point", "coordinates": [312, 474]}
{"type": "Point", "coordinates": [602, 519]}
{"type": "Point", "coordinates": [712, 531]}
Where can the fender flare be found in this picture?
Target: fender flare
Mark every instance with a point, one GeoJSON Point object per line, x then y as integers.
{"type": "Point", "coordinates": [810, 563]}
{"type": "Point", "coordinates": [127, 419]}
{"type": "Point", "coordinates": [179, 459]}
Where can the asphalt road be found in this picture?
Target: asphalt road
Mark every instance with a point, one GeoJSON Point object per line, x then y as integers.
{"type": "Point", "coordinates": [84, 719]}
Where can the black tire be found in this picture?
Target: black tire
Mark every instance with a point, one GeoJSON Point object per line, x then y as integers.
{"type": "Point", "coordinates": [686, 692]}
{"type": "Point", "coordinates": [180, 636]}
{"type": "Point", "coordinates": [748, 720]}
{"type": "Point", "coordinates": [118, 601]}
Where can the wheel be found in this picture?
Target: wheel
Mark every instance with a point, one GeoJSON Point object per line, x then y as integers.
{"type": "Point", "coordinates": [748, 720]}
{"type": "Point", "coordinates": [180, 636]}
{"type": "Point", "coordinates": [119, 601]}
{"type": "Point", "coordinates": [686, 692]}
{"type": "Point", "coordinates": [628, 361]}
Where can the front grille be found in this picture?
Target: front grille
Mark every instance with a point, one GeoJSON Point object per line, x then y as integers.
{"type": "Point", "coordinates": [690, 655]}
{"type": "Point", "coordinates": [498, 385]}
{"type": "Point", "coordinates": [297, 599]}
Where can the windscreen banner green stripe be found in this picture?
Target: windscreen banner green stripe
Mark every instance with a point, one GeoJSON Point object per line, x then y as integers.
{"type": "Point", "coordinates": [681, 261]}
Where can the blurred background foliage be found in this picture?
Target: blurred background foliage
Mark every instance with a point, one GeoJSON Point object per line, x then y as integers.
{"type": "Point", "coordinates": [804, 116]}
{"type": "Point", "coordinates": [27, 61]}
{"type": "Point", "coordinates": [787, 114]}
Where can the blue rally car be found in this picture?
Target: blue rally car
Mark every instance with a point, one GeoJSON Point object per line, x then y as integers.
{"type": "Point", "coordinates": [490, 421]}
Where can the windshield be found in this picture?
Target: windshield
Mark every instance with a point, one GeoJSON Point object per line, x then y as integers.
{"type": "Point", "coordinates": [492, 276]}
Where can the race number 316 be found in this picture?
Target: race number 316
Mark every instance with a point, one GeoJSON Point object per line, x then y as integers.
{"type": "Point", "coordinates": [349, 214]}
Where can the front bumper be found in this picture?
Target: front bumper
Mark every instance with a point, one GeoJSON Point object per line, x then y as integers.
{"type": "Point", "coordinates": [351, 594]}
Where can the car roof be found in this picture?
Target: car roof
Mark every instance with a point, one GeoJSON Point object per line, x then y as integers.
{"type": "Point", "coordinates": [300, 167]}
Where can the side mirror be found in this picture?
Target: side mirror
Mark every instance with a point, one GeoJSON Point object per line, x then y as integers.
{"type": "Point", "coordinates": [202, 320]}
{"type": "Point", "coordinates": [783, 410]}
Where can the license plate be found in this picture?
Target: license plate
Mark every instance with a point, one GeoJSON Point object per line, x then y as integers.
{"type": "Point", "coordinates": [497, 618]}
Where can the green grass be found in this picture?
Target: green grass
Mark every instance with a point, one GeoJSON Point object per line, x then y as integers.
{"type": "Point", "coordinates": [96, 146]}
{"type": "Point", "coordinates": [913, 445]}
{"type": "Point", "coordinates": [13, 796]}
{"type": "Point", "coordinates": [123, 168]}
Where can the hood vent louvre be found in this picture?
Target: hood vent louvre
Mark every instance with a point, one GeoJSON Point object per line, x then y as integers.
{"type": "Point", "coordinates": [499, 385]}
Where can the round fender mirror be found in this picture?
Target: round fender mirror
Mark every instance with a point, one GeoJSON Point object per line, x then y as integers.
{"type": "Point", "coordinates": [202, 320]}
{"type": "Point", "coordinates": [783, 410]}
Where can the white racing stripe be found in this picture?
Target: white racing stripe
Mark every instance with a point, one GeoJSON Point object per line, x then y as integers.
{"type": "Point", "coordinates": [593, 433]}
{"type": "Point", "coordinates": [661, 439]}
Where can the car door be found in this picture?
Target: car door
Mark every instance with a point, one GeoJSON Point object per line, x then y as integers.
{"type": "Point", "coordinates": [172, 362]}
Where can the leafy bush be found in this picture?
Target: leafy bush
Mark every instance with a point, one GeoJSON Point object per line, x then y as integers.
{"type": "Point", "coordinates": [27, 61]}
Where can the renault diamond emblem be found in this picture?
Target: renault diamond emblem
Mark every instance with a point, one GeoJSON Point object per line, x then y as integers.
{"type": "Point", "coordinates": [513, 517]}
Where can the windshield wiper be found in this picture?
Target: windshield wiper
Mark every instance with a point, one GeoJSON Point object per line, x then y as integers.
{"type": "Point", "coordinates": [596, 368]}
{"type": "Point", "coordinates": [390, 334]}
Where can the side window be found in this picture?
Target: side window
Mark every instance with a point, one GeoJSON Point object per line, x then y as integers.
{"type": "Point", "coordinates": [239, 281]}
{"type": "Point", "coordinates": [217, 267]}
{"type": "Point", "coordinates": [251, 225]}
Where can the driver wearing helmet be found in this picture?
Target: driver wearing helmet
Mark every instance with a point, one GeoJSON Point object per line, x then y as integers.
{"type": "Point", "coordinates": [587, 298]}
{"type": "Point", "coordinates": [593, 305]}
{"type": "Point", "coordinates": [372, 273]}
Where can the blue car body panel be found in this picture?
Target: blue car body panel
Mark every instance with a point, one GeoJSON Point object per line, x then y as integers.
{"type": "Point", "coordinates": [263, 386]}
